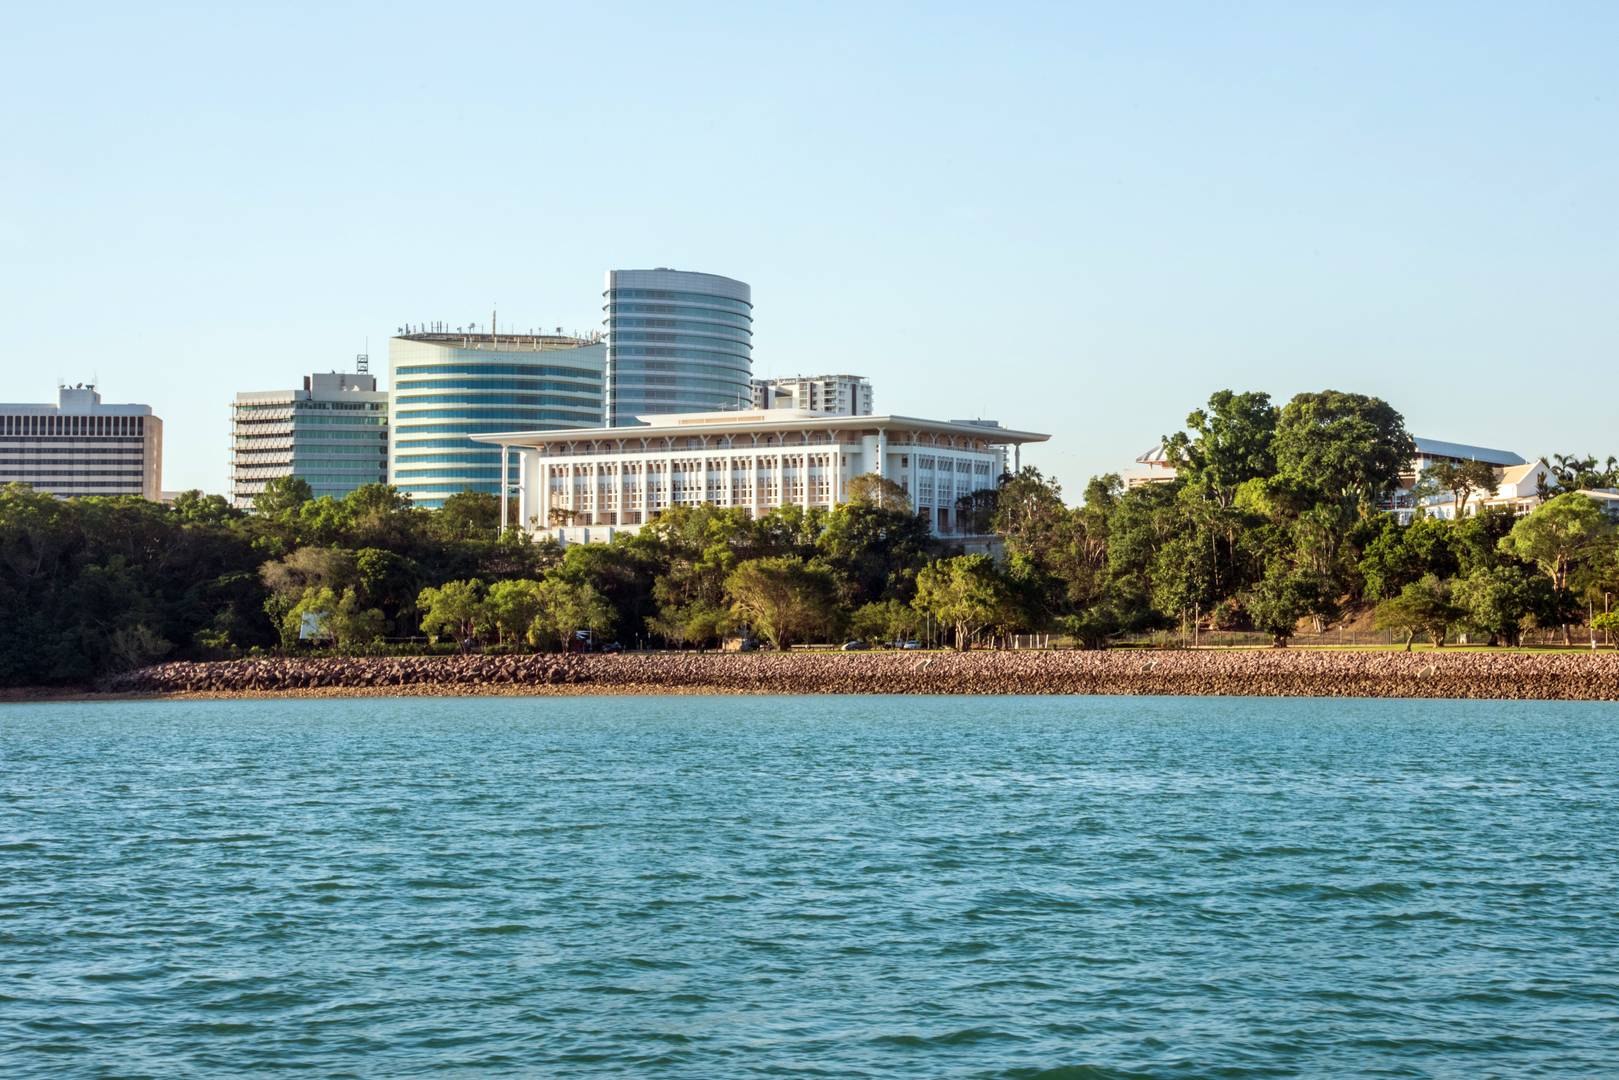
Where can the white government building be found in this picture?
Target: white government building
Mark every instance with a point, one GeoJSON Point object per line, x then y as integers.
{"type": "Point", "coordinates": [581, 486]}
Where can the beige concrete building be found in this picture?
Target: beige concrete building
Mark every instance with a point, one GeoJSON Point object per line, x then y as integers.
{"type": "Point", "coordinates": [80, 446]}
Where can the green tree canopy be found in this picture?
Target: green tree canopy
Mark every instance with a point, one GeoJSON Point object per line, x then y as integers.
{"type": "Point", "coordinates": [1422, 607]}
{"type": "Point", "coordinates": [869, 489]}
{"type": "Point", "coordinates": [784, 598]}
{"type": "Point", "coordinates": [454, 609]}
{"type": "Point", "coordinates": [1279, 600]}
{"type": "Point", "coordinates": [283, 495]}
{"type": "Point", "coordinates": [1350, 447]}
{"type": "Point", "coordinates": [1226, 444]}
{"type": "Point", "coordinates": [885, 620]}
{"type": "Point", "coordinates": [511, 607]}
{"type": "Point", "coordinates": [1501, 601]}
{"type": "Point", "coordinates": [466, 515]}
{"type": "Point", "coordinates": [1561, 534]}
{"type": "Point", "coordinates": [570, 606]}
{"type": "Point", "coordinates": [340, 618]}
{"type": "Point", "coordinates": [966, 593]}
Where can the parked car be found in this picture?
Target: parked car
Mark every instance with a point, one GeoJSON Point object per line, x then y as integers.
{"type": "Point", "coordinates": [611, 647]}
{"type": "Point", "coordinates": [854, 646]}
{"type": "Point", "coordinates": [910, 645]}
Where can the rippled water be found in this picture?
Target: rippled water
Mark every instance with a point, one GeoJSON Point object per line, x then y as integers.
{"type": "Point", "coordinates": [701, 887]}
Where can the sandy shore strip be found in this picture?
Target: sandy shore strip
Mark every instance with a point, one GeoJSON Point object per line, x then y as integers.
{"type": "Point", "coordinates": [1562, 676]}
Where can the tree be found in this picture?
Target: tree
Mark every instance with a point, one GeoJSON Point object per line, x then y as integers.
{"type": "Point", "coordinates": [1051, 551]}
{"type": "Point", "coordinates": [1350, 447]}
{"type": "Point", "coordinates": [875, 551]}
{"type": "Point", "coordinates": [289, 580]}
{"type": "Point", "coordinates": [694, 623]}
{"type": "Point", "coordinates": [621, 571]}
{"type": "Point", "coordinates": [1399, 555]}
{"type": "Point", "coordinates": [1277, 603]}
{"type": "Point", "coordinates": [784, 598]}
{"type": "Point", "coordinates": [454, 608]}
{"type": "Point", "coordinates": [1230, 443]}
{"type": "Point", "coordinates": [283, 495]}
{"type": "Point", "coordinates": [195, 508]}
{"type": "Point", "coordinates": [1476, 540]}
{"type": "Point", "coordinates": [872, 490]}
{"type": "Point", "coordinates": [1423, 607]}
{"type": "Point", "coordinates": [1608, 623]}
{"type": "Point", "coordinates": [342, 619]}
{"type": "Point", "coordinates": [1092, 627]}
{"type": "Point", "coordinates": [1559, 536]}
{"type": "Point", "coordinates": [1463, 478]}
{"type": "Point", "coordinates": [309, 568]}
{"type": "Point", "coordinates": [966, 593]}
{"type": "Point", "coordinates": [1498, 601]}
{"type": "Point", "coordinates": [511, 608]}
{"type": "Point", "coordinates": [378, 515]}
{"type": "Point", "coordinates": [353, 624]}
{"type": "Point", "coordinates": [975, 511]}
{"type": "Point", "coordinates": [388, 581]}
{"type": "Point", "coordinates": [569, 606]}
{"type": "Point", "coordinates": [469, 515]}
{"type": "Point", "coordinates": [1573, 472]}
{"type": "Point", "coordinates": [1029, 511]}
{"type": "Point", "coordinates": [884, 620]}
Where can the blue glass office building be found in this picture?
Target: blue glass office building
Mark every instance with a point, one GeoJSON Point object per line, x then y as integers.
{"type": "Point", "coordinates": [677, 341]}
{"type": "Point", "coordinates": [446, 387]}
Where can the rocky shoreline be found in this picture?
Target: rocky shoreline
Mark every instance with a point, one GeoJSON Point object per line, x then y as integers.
{"type": "Point", "coordinates": [1263, 672]}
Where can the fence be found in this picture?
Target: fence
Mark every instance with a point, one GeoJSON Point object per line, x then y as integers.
{"type": "Point", "coordinates": [1580, 636]}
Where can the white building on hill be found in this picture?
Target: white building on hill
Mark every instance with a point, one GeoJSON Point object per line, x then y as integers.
{"type": "Point", "coordinates": [587, 485]}
{"type": "Point", "coordinates": [1517, 488]}
{"type": "Point", "coordinates": [1432, 452]}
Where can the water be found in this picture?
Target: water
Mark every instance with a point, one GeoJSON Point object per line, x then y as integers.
{"type": "Point", "coordinates": [749, 887]}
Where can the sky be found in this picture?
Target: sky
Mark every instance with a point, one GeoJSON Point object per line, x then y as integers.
{"type": "Point", "coordinates": [1075, 218]}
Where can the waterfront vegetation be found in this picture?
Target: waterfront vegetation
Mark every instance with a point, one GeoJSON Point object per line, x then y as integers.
{"type": "Point", "coordinates": [1274, 522]}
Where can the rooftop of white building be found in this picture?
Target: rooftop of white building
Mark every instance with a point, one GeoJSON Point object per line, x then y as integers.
{"type": "Point", "coordinates": [733, 422]}
{"type": "Point", "coordinates": [1427, 447]}
{"type": "Point", "coordinates": [81, 400]}
{"type": "Point", "coordinates": [484, 341]}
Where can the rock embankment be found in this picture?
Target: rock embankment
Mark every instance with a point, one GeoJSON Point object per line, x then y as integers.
{"type": "Point", "coordinates": [1276, 673]}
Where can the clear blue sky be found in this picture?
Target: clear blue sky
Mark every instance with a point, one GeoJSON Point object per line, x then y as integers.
{"type": "Point", "coordinates": [1079, 219]}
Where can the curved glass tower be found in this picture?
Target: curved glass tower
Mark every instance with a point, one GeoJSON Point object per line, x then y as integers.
{"type": "Point", "coordinates": [446, 387]}
{"type": "Point", "coordinates": [677, 341]}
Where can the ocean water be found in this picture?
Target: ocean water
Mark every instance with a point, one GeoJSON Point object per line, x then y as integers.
{"type": "Point", "coordinates": [833, 887]}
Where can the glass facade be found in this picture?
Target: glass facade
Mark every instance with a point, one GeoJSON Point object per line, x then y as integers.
{"type": "Point", "coordinates": [449, 387]}
{"type": "Point", "coordinates": [677, 341]}
{"type": "Point", "coordinates": [333, 434]}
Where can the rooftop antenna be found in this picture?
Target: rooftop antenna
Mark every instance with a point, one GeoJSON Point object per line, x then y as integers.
{"type": "Point", "coordinates": [362, 362]}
